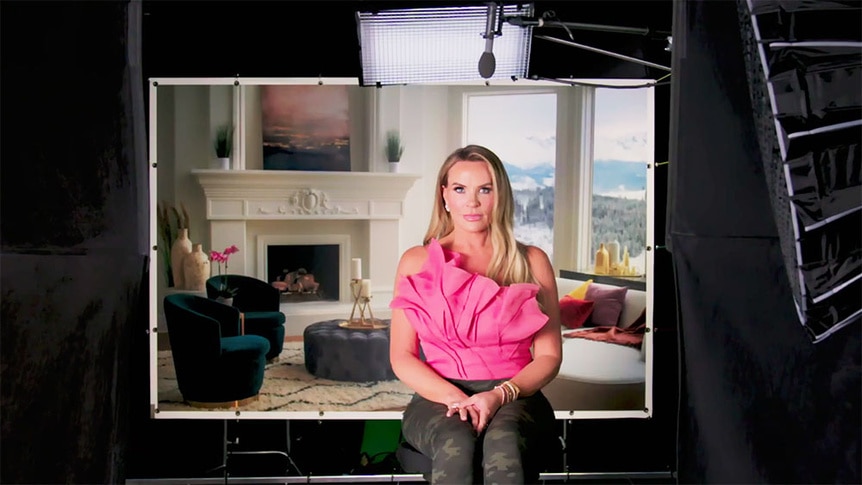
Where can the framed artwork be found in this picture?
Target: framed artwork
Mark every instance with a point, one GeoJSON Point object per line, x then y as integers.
{"type": "Point", "coordinates": [305, 127]}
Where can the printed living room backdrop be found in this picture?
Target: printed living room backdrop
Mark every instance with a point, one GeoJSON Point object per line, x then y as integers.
{"type": "Point", "coordinates": [305, 127]}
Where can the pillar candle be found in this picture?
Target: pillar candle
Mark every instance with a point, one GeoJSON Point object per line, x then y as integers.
{"type": "Point", "coordinates": [365, 289]}
{"type": "Point", "coordinates": [356, 269]}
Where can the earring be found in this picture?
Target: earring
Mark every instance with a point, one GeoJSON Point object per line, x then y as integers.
{"type": "Point", "coordinates": [446, 206]}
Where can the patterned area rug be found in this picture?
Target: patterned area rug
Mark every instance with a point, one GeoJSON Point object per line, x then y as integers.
{"type": "Point", "coordinates": [287, 386]}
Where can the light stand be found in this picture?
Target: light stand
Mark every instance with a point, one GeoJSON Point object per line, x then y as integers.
{"type": "Point", "coordinates": [227, 452]}
{"type": "Point", "coordinates": [522, 21]}
{"type": "Point", "coordinates": [602, 51]}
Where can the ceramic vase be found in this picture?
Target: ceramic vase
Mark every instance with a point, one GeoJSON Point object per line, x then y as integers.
{"type": "Point", "coordinates": [602, 263]}
{"type": "Point", "coordinates": [196, 269]}
{"type": "Point", "coordinates": [181, 247]}
{"type": "Point", "coordinates": [393, 167]}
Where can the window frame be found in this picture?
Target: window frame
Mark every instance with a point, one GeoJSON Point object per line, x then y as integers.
{"type": "Point", "coordinates": [573, 170]}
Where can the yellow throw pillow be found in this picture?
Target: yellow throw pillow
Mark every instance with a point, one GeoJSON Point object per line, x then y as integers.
{"type": "Point", "coordinates": [581, 292]}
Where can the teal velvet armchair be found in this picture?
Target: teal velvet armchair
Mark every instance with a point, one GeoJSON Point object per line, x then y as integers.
{"type": "Point", "coordinates": [259, 302]}
{"type": "Point", "coordinates": [215, 364]}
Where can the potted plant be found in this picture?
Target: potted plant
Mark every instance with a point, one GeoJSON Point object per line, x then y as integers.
{"type": "Point", "coordinates": [223, 145]}
{"type": "Point", "coordinates": [394, 149]}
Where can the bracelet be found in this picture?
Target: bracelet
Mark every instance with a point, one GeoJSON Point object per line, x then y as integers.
{"type": "Point", "coordinates": [502, 393]}
{"type": "Point", "coordinates": [515, 389]}
{"type": "Point", "coordinates": [505, 392]}
{"type": "Point", "coordinates": [509, 390]}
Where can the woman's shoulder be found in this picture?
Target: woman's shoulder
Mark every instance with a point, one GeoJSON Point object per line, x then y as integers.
{"type": "Point", "coordinates": [534, 253]}
{"type": "Point", "coordinates": [537, 258]}
{"type": "Point", "coordinates": [539, 262]}
{"type": "Point", "coordinates": [412, 260]}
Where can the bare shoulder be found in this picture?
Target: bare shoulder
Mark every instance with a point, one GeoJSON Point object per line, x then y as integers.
{"type": "Point", "coordinates": [540, 263]}
{"type": "Point", "coordinates": [537, 256]}
{"type": "Point", "coordinates": [412, 260]}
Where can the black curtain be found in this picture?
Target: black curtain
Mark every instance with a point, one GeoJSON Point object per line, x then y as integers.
{"type": "Point", "coordinates": [761, 402]}
{"type": "Point", "coordinates": [74, 235]}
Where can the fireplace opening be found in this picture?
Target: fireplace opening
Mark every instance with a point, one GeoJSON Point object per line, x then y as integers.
{"type": "Point", "coordinates": [304, 272]}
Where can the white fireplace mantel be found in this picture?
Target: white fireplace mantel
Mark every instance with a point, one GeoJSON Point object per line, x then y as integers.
{"type": "Point", "coordinates": [287, 194]}
{"type": "Point", "coordinates": [252, 207]}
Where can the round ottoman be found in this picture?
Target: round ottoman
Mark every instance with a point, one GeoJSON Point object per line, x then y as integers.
{"type": "Point", "coordinates": [343, 354]}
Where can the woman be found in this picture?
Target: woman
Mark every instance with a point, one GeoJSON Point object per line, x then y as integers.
{"type": "Point", "coordinates": [483, 309]}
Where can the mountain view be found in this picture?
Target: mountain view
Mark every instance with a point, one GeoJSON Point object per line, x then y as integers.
{"type": "Point", "coordinates": [619, 206]}
{"type": "Point", "coordinates": [609, 176]}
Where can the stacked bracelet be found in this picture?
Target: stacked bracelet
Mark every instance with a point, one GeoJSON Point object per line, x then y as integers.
{"type": "Point", "coordinates": [509, 390]}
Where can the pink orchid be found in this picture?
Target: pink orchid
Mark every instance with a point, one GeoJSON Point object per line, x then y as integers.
{"type": "Point", "coordinates": [222, 257]}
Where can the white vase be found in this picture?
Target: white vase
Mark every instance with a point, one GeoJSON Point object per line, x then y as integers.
{"type": "Point", "coordinates": [196, 269]}
{"type": "Point", "coordinates": [182, 246]}
{"type": "Point", "coordinates": [393, 167]}
{"type": "Point", "coordinates": [221, 163]}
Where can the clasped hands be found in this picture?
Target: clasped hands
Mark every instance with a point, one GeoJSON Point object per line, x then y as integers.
{"type": "Point", "coordinates": [478, 408]}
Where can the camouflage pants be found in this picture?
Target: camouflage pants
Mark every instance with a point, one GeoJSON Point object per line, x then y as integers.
{"type": "Point", "coordinates": [498, 454]}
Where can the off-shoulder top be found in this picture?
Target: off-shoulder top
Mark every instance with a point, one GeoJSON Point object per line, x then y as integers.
{"type": "Point", "coordinates": [469, 327]}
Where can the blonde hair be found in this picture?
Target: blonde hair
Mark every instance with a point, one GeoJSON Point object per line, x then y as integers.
{"type": "Point", "coordinates": [508, 261]}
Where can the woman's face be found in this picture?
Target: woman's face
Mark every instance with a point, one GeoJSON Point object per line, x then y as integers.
{"type": "Point", "coordinates": [470, 196]}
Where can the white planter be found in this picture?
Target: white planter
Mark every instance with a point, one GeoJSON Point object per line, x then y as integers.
{"type": "Point", "coordinates": [221, 163]}
{"type": "Point", "coordinates": [393, 166]}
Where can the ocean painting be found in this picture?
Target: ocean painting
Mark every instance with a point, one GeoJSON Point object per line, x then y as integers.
{"type": "Point", "coordinates": [305, 128]}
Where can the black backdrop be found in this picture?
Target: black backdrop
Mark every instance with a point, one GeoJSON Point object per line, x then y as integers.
{"type": "Point", "coordinates": [74, 344]}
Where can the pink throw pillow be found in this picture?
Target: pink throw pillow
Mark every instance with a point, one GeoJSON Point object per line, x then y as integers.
{"type": "Point", "coordinates": [574, 312]}
{"type": "Point", "coordinates": [608, 304]}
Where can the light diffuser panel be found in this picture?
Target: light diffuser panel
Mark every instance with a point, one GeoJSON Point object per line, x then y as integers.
{"type": "Point", "coordinates": [424, 45]}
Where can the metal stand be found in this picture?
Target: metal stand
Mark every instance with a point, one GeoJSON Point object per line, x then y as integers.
{"type": "Point", "coordinates": [227, 453]}
{"type": "Point", "coordinates": [642, 31]}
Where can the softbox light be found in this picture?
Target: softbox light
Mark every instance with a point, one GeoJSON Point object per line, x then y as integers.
{"type": "Point", "coordinates": [805, 66]}
{"type": "Point", "coordinates": [426, 45]}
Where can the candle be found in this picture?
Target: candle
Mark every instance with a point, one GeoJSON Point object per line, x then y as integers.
{"type": "Point", "coordinates": [614, 252]}
{"type": "Point", "coordinates": [365, 289]}
{"type": "Point", "coordinates": [356, 269]}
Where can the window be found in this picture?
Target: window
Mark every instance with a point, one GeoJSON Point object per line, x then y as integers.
{"type": "Point", "coordinates": [521, 129]}
{"type": "Point", "coordinates": [598, 175]}
{"type": "Point", "coordinates": [622, 148]}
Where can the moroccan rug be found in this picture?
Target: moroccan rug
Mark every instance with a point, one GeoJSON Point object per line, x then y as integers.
{"type": "Point", "coordinates": [287, 386]}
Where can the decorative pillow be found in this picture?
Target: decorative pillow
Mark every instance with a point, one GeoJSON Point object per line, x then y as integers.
{"type": "Point", "coordinates": [574, 312]}
{"type": "Point", "coordinates": [581, 291]}
{"type": "Point", "coordinates": [608, 304]}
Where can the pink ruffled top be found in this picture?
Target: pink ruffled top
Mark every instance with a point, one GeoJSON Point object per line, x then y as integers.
{"type": "Point", "coordinates": [469, 326]}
